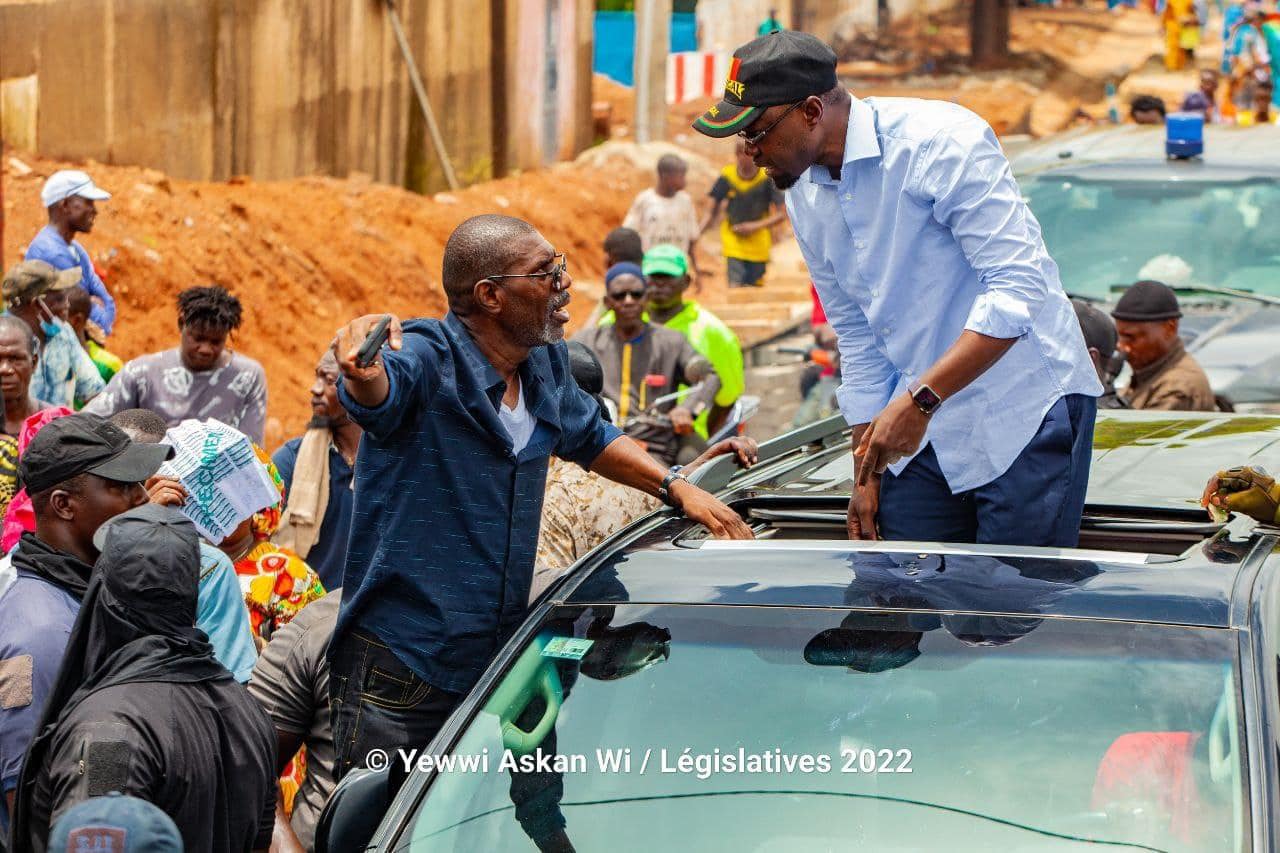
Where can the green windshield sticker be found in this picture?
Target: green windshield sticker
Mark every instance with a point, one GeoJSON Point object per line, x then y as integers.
{"type": "Point", "coordinates": [569, 648]}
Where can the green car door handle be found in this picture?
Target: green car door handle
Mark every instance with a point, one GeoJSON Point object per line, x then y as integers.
{"type": "Point", "coordinates": [531, 676]}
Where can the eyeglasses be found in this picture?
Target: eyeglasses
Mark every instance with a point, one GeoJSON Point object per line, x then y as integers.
{"type": "Point", "coordinates": [624, 295]}
{"type": "Point", "coordinates": [754, 139]}
{"type": "Point", "coordinates": [555, 274]}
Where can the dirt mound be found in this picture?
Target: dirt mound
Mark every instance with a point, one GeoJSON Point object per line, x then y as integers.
{"type": "Point", "coordinates": [306, 255]}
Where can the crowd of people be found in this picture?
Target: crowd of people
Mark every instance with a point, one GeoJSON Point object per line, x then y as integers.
{"type": "Point", "coordinates": [199, 640]}
{"type": "Point", "coordinates": [113, 602]}
{"type": "Point", "coordinates": [1239, 88]}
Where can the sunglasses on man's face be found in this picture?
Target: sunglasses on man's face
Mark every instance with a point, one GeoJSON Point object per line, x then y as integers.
{"type": "Point", "coordinates": [624, 295]}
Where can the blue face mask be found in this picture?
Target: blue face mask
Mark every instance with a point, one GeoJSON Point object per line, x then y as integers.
{"type": "Point", "coordinates": [48, 323]}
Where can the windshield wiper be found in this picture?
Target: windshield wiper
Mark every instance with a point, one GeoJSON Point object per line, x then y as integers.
{"type": "Point", "coordinates": [1080, 839]}
{"type": "Point", "coordinates": [1214, 290]}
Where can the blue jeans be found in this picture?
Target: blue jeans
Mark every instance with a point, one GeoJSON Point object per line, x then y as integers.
{"type": "Point", "coordinates": [1038, 501]}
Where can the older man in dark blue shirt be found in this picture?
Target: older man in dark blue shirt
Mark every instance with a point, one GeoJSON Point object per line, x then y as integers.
{"type": "Point", "coordinates": [461, 416]}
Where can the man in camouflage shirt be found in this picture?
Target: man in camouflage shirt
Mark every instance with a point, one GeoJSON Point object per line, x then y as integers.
{"type": "Point", "coordinates": [581, 509]}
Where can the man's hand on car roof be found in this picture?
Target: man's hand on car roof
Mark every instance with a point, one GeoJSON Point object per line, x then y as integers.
{"type": "Point", "coordinates": [705, 509]}
{"type": "Point", "coordinates": [745, 449]}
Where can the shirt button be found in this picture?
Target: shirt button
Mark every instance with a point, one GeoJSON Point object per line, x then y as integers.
{"type": "Point", "coordinates": [848, 196]}
{"type": "Point", "coordinates": [885, 331]}
{"type": "Point", "coordinates": [875, 293]}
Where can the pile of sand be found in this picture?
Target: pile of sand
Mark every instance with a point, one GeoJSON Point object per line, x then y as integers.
{"type": "Point", "coordinates": [306, 255]}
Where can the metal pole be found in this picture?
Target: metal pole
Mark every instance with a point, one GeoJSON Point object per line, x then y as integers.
{"type": "Point", "coordinates": [421, 91]}
{"type": "Point", "coordinates": [640, 72]}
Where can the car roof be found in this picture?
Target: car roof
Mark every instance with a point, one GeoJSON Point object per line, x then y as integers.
{"type": "Point", "coordinates": [1148, 462]}
{"type": "Point", "coordinates": [1136, 153]}
{"type": "Point", "coordinates": [919, 577]}
{"type": "Point", "coordinates": [1141, 459]}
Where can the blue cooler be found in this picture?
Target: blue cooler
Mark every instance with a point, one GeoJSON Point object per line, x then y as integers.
{"type": "Point", "coordinates": [1184, 135]}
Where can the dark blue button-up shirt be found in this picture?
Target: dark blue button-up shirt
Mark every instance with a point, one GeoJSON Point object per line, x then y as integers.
{"type": "Point", "coordinates": [446, 517]}
{"type": "Point", "coordinates": [328, 556]}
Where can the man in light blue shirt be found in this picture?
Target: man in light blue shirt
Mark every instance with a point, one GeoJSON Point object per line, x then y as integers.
{"type": "Point", "coordinates": [36, 293]}
{"type": "Point", "coordinates": [965, 376]}
{"type": "Point", "coordinates": [69, 196]}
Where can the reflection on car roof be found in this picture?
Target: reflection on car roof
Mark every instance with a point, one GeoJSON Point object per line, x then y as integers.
{"type": "Point", "coordinates": [1193, 590]}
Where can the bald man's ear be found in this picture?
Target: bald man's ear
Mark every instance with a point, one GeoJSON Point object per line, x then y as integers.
{"type": "Point", "coordinates": [485, 295]}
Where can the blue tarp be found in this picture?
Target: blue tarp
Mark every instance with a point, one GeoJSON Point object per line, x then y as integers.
{"type": "Point", "coordinates": [615, 42]}
{"type": "Point", "coordinates": [684, 32]}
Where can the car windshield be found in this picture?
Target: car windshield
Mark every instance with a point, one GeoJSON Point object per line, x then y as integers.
{"type": "Point", "coordinates": [1105, 233]}
{"type": "Point", "coordinates": [786, 729]}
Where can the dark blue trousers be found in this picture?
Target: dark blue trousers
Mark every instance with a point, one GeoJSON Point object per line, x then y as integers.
{"type": "Point", "coordinates": [1038, 501]}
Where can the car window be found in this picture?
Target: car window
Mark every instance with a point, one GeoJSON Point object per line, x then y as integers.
{"type": "Point", "coordinates": [1104, 233]}
{"type": "Point", "coordinates": [780, 729]}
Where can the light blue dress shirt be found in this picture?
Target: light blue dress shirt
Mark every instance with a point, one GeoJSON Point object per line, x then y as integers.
{"type": "Point", "coordinates": [64, 374]}
{"type": "Point", "coordinates": [924, 235]}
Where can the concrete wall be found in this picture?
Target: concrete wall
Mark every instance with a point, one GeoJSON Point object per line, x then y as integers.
{"type": "Point", "coordinates": [728, 24]}
{"type": "Point", "coordinates": [280, 88]}
{"type": "Point", "coordinates": [546, 119]}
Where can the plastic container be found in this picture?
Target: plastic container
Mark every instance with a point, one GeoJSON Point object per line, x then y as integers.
{"type": "Point", "coordinates": [1184, 135]}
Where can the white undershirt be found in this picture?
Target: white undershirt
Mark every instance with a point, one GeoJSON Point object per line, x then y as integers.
{"type": "Point", "coordinates": [519, 423]}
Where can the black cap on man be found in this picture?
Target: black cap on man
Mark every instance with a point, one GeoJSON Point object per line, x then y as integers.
{"type": "Point", "coordinates": [780, 68]}
{"type": "Point", "coordinates": [87, 444]}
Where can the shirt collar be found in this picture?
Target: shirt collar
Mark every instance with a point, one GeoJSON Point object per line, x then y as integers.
{"type": "Point", "coordinates": [534, 372]}
{"type": "Point", "coordinates": [860, 140]}
{"type": "Point", "coordinates": [482, 371]}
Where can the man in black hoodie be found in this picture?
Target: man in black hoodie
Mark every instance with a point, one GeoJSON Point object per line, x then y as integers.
{"type": "Point", "coordinates": [80, 471]}
{"type": "Point", "coordinates": [141, 705]}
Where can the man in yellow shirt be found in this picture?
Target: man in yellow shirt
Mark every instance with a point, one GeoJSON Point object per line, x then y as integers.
{"type": "Point", "coordinates": [753, 205]}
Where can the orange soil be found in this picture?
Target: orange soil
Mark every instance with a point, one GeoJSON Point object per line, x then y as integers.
{"type": "Point", "coordinates": [304, 256]}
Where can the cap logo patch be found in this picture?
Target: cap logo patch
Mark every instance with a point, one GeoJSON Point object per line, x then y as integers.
{"type": "Point", "coordinates": [731, 85]}
{"type": "Point", "coordinates": [97, 839]}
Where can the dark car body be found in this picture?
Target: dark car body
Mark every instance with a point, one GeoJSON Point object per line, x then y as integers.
{"type": "Point", "coordinates": [1151, 569]}
{"type": "Point", "coordinates": [1114, 209]}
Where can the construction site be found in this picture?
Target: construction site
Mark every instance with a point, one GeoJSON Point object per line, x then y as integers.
{"type": "Point", "coordinates": [321, 198]}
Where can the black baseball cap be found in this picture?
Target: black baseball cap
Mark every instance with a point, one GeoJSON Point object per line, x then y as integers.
{"type": "Point", "coordinates": [1099, 332]}
{"type": "Point", "coordinates": [779, 68]}
{"type": "Point", "coordinates": [1147, 301]}
{"type": "Point", "coordinates": [87, 444]}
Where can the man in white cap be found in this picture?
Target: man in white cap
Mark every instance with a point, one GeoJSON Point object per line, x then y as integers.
{"type": "Point", "coordinates": [69, 196]}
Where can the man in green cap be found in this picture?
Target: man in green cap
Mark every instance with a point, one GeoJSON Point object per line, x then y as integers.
{"type": "Point", "coordinates": [667, 269]}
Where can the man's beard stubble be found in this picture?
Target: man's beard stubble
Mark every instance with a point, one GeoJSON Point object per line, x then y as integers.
{"type": "Point", "coordinates": [783, 181]}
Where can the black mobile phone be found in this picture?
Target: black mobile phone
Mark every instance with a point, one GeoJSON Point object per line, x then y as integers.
{"type": "Point", "coordinates": [373, 342]}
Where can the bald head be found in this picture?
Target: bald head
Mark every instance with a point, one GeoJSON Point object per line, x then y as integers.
{"type": "Point", "coordinates": [19, 332]}
{"type": "Point", "coordinates": [481, 246]}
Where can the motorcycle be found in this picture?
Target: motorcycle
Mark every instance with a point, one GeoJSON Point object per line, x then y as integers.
{"type": "Point", "coordinates": [654, 416]}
